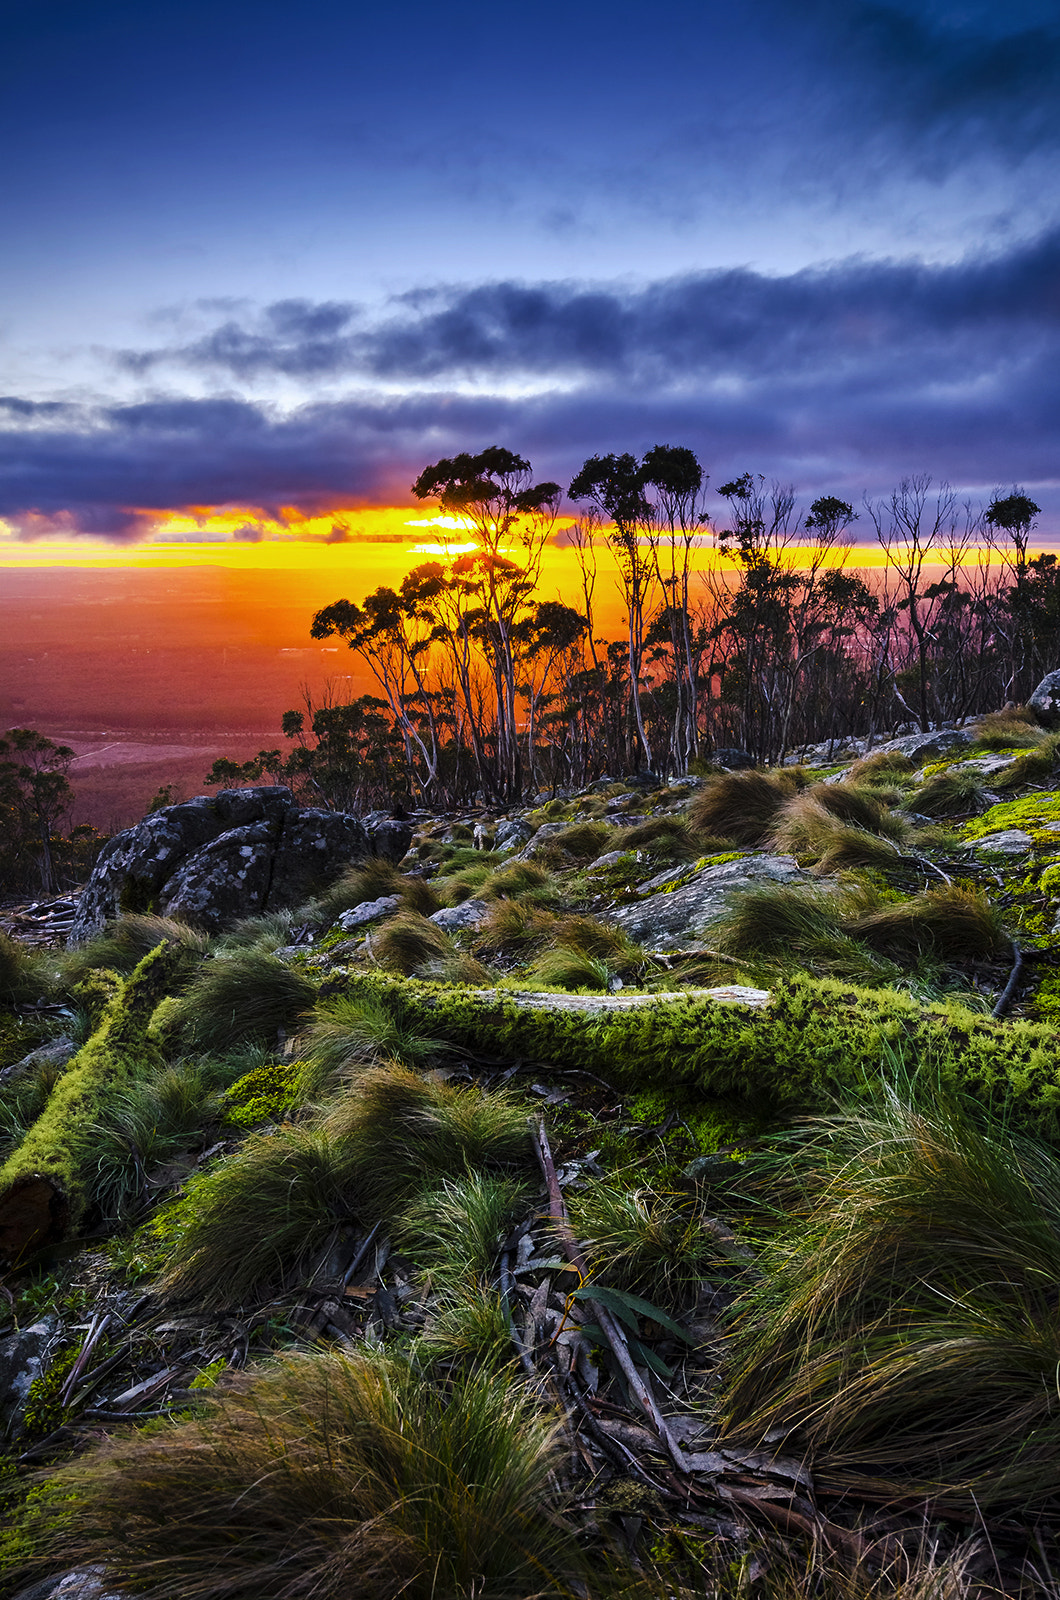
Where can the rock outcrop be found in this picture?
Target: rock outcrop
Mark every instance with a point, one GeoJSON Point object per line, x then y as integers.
{"type": "Point", "coordinates": [212, 861]}
{"type": "Point", "coordinates": [1045, 701]}
{"type": "Point", "coordinates": [667, 919]}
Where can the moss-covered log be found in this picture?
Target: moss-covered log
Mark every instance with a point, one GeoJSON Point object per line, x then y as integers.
{"type": "Point", "coordinates": [816, 1039]}
{"type": "Point", "coordinates": [43, 1188]}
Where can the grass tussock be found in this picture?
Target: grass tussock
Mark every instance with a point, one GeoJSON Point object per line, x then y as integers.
{"type": "Point", "coordinates": [257, 1219]}
{"type": "Point", "coordinates": [905, 1327]}
{"type": "Point", "coordinates": [845, 826]}
{"type": "Point", "coordinates": [147, 1125]}
{"type": "Point", "coordinates": [879, 766]}
{"type": "Point", "coordinates": [572, 970]}
{"type": "Point", "coordinates": [368, 880]}
{"type": "Point", "coordinates": [742, 806]}
{"type": "Point", "coordinates": [666, 839]}
{"type": "Point", "coordinates": [404, 1133]}
{"type": "Point", "coordinates": [456, 1229]}
{"type": "Point", "coordinates": [514, 928]}
{"type": "Point", "coordinates": [408, 942]}
{"type": "Point", "coordinates": [1014, 729]}
{"type": "Point", "coordinates": [324, 1475]}
{"type": "Point", "coordinates": [845, 848]}
{"type": "Point", "coordinates": [1033, 766]}
{"type": "Point", "coordinates": [268, 932]}
{"type": "Point", "coordinates": [349, 1032]}
{"type": "Point", "coordinates": [123, 944]}
{"type": "Point", "coordinates": [23, 976]}
{"type": "Point", "coordinates": [469, 1325]}
{"type": "Point", "coordinates": [523, 880]}
{"type": "Point", "coordinates": [784, 923]}
{"type": "Point", "coordinates": [952, 793]}
{"type": "Point", "coordinates": [246, 998]}
{"type": "Point", "coordinates": [584, 841]}
{"type": "Point", "coordinates": [950, 923]}
{"type": "Point", "coordinates": [657, 1244]}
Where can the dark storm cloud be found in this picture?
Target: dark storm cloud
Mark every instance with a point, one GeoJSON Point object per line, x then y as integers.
{"type": "Point", "coordinates": [872, 317]}
{"type": "Point", "coordinates": [848, 376]}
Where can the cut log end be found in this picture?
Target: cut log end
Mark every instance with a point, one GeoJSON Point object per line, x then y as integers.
{"type": "Point", "coordinates": [34, 1212]}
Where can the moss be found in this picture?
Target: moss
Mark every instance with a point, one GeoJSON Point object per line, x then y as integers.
{"type": "Point", "coordinates": [816, 1038]}
{"type": "Point", "coordinates": [43, 1412]}
{"type": "Point", "coordinates": [266, 1094]}
{"type": "Point", "coordinates": [58, 1152]}
{"type": "Point", "coordinates": [1033, 808]}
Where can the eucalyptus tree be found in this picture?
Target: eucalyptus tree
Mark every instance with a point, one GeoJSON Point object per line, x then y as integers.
{"type": "Point", "coordinates": [493, 493]}
{"type": "Point", "coordinates": [615, 485]}
{"type": "Point", "coordinates": [35, 794]}
{"type": "Point", "coordinates": [675, 476]}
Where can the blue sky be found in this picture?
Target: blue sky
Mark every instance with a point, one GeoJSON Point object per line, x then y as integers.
{"type": "Point", "coordinates": [278, 255]}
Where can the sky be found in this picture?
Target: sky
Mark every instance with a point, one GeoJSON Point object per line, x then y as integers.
{"type": "Point", "coordinates": [264, 261]}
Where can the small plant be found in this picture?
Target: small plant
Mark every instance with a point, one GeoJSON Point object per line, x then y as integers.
{"type": "Point", "coordinates": [266, 932]}
{"type": "Point", "coordinates": [659, 1245]}
{"type": "Point", "coordinates": [456, 1229]}
{"type": "Point", "coordinates": [352, 1031]}
{"type": "Point", "coordinates": [1033, 766]}
{"type": "Point", "coordinates": [340, 1474]}
{"type": "Point", "coordinates": [742, 807]}
{"type": "Point", "coordinates": [401, 1133]}
{"type": "Point", "coordinates": [246, 998]}
{"type": "Point", "coordinates": [847, 848]}
{"type": "Point", "coordinates": [514, 928]}
{"type": "Point", "coordinates": [368, 880]}
{"type": "Point", "coordinates": [148, 1124]}
{"type": "Point", "coordinates": [469, 1324]}
{"type": "Point", "coordinates": [783, 922]}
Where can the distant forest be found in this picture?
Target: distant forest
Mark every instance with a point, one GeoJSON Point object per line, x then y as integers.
{"type": "Point", "coordinates": [488, 692]}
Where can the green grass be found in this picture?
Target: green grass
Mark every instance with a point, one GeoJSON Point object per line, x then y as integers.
{"type": "Point", "coordinates": [403, 1133]}
{"type": "Point", "coordinates": [657, 1244]}
{"type": "Point", "coordinates": [23, 975]}
{"type": "Point", "coordinates": [258, 1219]}
{"type": "Point", "coordinates": [349, 1032]}
{"type": "Point", "coordinates": [408, 942]}
{"type": "Point", "coordinates": [323, 1475]}
{"type": "Point", "coordinates": [905, 1330]}
{"type": "Point", "coordinates": [522, 880]}
{"type": "Point", "coordinates": [1033, 766]}
{"type": "Point", "coordinates": [742, 807]}
{"type": "Point", "coordinates": [951, 923]}
{"type": "Point", "coordinates": [514, 928]}
{"type": "Point", "coordinates": [123, 944]}
{"type": "Point", "coordinates": [455, 1229]}
{"type": "Point", "coordinates": [570, 969]}
{"type": "Point", "coordinates": [952, 793]}
{"type": "Point", "coordinates": [248, 997]}
{"type": "Point", "coordinates": [148, 1123]}
{"type": "Point", "coordinates": [879, 765]}
{"type": "Point", "coordinates": [1007, 730]}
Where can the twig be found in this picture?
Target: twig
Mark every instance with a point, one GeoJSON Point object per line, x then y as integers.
{"type": "Point", "coordinates": [359, 1258]}
{"type": "Point", "coordinates": [608, 1326]}
{"type": "Point", "coordinates": [95, 1333]}
{"type": "Point", "coordinates": [1008, 993]}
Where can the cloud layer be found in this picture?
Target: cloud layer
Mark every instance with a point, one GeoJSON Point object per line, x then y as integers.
{"type": "Point", "coordinates": [844, 376]}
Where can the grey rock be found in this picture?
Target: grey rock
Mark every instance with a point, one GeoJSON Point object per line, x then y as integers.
{"type": "Point", "coordinates": [1006, 842]}
{"type": "Point", "coordinates": [608, 859]}
{"type": "Point", "coordinates": [88, 1583]}
{"type": "Point", "coordinates": [212, 862]}
{"type": "Point", "coordinates": [512, 834]}
{"type": "Point", "coordinates": [469, 914]}
{"type": "Point", "coordinates": [924, 747]}
{"type": "Point", "coordinates": [56, 1053]}
{"type": "Point", "coordinates": [21, 1354]}
{"type": "Point", "coordinates": [367, 912]}
{"type": "Point", "coordinates": [664, 921]}
{"type": "Point", "coordinates": [1045, 701]}
{"type": "Point", "coordinates": [389, 838]}
{"type": "Point", "coordinates": [732, 757]}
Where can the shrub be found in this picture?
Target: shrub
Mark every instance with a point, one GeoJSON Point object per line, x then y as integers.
{"type": "Point", "coordinates": [741, 806]}
{"type": "Point", "coordinates": [905, 1326]}
{"type": "Point", "coordinates": [952, 793]}
{"type": "Point", "coordinates": [350, 1031]}
{"type": "Point", "coordinates": [247, 997]}
{"type": "Point", "coordinates": [402, 1132]}
{"type": "Point", "coordinates": [259, 1217]}
{"type": "Point", "coordinates": [324, 1475]}
{"type": "Point", "coordinates": [408, 941]}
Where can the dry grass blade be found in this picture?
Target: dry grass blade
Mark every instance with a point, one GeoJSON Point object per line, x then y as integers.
{"type": "Point", "coordinates": [742, 806]}
{"type": "Point", "coordinates": [907, 1327]}
{"type": "Point", "coordinates": [951, 922]}
{"type": "Point", "coordinates": [408, 942]}
{"type": "Point", "coordinates": [324, 1476]}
